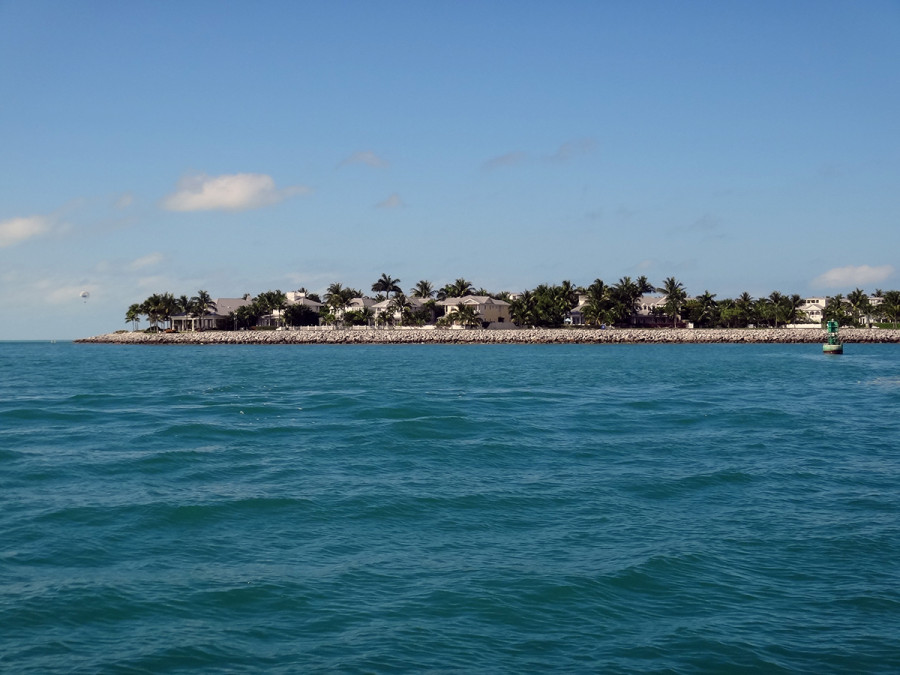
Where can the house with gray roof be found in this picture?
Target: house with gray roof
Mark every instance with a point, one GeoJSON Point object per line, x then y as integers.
{"type": "Point", "coordinates": [214, 320]}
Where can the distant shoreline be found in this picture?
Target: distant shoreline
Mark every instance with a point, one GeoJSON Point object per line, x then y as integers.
{"type": "Point", "coordinates": [508, 336]}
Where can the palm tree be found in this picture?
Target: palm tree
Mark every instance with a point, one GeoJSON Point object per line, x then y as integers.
{"type": "Point", "coordinates": [246, 316]}
{"type": "Point", "coordinates": [401, 305]}
{"type": "Point", "coordinates": [464, 315]}
{"type": "Point", "coordinates": [151, 308]}
{"type": "Point", "coordinates": [568, 293]}
{"type": "Point", "coordinates": [707, 308]}
{"type": "Point", "coordinates": [159, 307]}
{"type": "Point", "coordinates": [184, 306]}
{"type": "Point", "coordinates": [337, 297]}
{"type": "Point", "coordinates": [522, 309]}
{"type": "Point", "coordinates": [890, 305]}
{"type": "Point", "coordinates": [550, 305]}
{"type": "Point", "coordinates": [387, 285]}
{"type": "Point", "coordinates": [170, 308]}
{"type": "Point", "coordinates": [458, 289]}
{"type": "Point", "coordinates": [133, 315]}
{"type": "Point", "coordinates": [643, 285]}
{"type": "Point", "coordinates": [744, 304]}
{"type": "Point", "coordinates": [596, 310]}
{"type": "Point", "coordinates": [626, 294]}
{"type": "Point", "coordinates": [675, 295]}
{"type": "Point", "coordinates": [859, 304]}
{"type": "Point", "coordinates": [834, 309]}
{"type": "Point", "coordinates": [776, 300]}
{"type": "Point", "coordinates": [203, 305]}
{"type": "Point", "coordinates": [367, 315]}
{"type": "Point", "coordinates": [728, 313]}
{"type": "Point", "coordinates": [271, 302]}
{"type": "Point", "coordinates": [792, 305]}
{"type": "Point", "coordinates": [423, 289]}
{"type": "Point", "coordinates": [300, 315]}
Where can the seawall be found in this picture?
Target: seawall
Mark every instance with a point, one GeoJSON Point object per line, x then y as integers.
{"type": "Point", "coordinates": [508, 336]}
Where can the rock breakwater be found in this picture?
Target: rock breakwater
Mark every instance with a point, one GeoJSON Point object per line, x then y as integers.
{"type": "Point", "coordinates": [509, 336]}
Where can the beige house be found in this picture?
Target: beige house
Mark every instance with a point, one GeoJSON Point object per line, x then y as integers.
{"type": "Point", "coordinates": [488, 309]}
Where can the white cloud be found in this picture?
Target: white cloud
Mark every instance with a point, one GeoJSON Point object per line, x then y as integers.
{"type": "Point", "coordinates": [366, 157]}
{"type": "Point", "coordinates": [229, 192]}
{"type": "Point", "coordinates": [146, 261]}
{"type": "Point", "coordinates": [509, 159]}
{"type": "Point", "coordinates": [392, 202]}
{"type": "Point", "coordinates": [860, 275]}
{"type": "Point", "coordinates": [17, 230]}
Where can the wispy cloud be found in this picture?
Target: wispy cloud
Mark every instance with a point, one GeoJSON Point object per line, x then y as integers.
{"type": "Point", "coordinates": [564, 153]}
{"type": "Point", "coordinates": [17, 230]}
{"type": "Point", "coordinates": [860, 275]}
{"type": "Point", "coordinates": [148, 260]}
{"type": "Point", "coordinates": [229, 192]}
{"type": "Point", "coordinates": [69, 294]}
{"type": "Point", "coordinates": [573, 149]}
{"type": "Point", "coordinates": [367, 158]}
{"type": "Point", "coordinates": [705, 224]}
{"type": "Point", "coordinates": [124, 200]}
{"type": "Point", "coordinates": [156, 282]}
{"type": "Point", "coordinates": [392, 202]}
{"type": "Point", "coordinates": [509, 159]}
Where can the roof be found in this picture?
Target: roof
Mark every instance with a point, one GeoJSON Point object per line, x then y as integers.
{"type": "Point", "coordinates": [416, 303]}
{"type": "Point", "coordinates": [472, 300]}
{"type": "Point", "coordinates": [306, 302]}
{"type": "Point", "coordinates": [359, 303]}
{"type": "Point", "coordinates": [650, 301]}
{"type": "Point", "coordinates": [225, 306]}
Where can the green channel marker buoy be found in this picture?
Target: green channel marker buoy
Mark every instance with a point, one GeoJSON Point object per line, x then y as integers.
{"type": "Point", "coordinates": [833, 344]}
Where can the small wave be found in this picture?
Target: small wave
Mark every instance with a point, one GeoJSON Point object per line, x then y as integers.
{"type": "Point", "coordinates": [198, 514]}
{"type": "Point", "coordinates": [885, 382]}
{"type": "Point", "coordinates": [663, 488]}
{"type": "Point", "coordinates": [43, 415]}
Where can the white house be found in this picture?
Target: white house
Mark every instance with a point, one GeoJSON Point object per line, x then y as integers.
{"type": "Point", "coordinates": [814, 308]}
{"type": "Point", "coordinates": [651, 311]}
{"type": "Point", "coordinates": [300, 298]}
{"type": "Point", "coordinates": [386, 306]}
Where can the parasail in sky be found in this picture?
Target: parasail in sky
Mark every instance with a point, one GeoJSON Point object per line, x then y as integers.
{"type": "Point", "coordinates": [84, 295]}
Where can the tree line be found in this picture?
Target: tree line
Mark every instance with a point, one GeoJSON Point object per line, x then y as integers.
{"type": "Point", "coordinates": [545, 305]}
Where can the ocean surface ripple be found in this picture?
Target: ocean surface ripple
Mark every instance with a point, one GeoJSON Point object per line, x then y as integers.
{"type": "Point", "coordinates": [449, 508]}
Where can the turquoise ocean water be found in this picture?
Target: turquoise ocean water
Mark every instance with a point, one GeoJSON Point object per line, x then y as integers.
{"type": "Point", "coordinates": [389, 509]}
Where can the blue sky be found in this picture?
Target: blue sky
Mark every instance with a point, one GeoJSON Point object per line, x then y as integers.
{"type": "Point", "coordinates": [244, 146]}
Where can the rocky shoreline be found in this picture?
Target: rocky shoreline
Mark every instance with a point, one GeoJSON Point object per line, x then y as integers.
{"type": "Point", "coordinates": [509, 336]}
